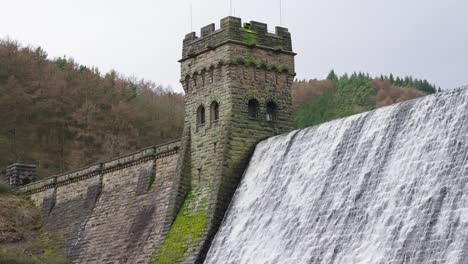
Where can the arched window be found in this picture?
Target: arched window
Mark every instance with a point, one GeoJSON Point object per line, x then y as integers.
{"type": "Point", "coordinates": [214, 109]}
{"type": "Point", "coordinates": [200, 116]}
{"type": "Point", "coordinates": [271, 111]}
{"type": "Point", "coordinates": [254, 108]}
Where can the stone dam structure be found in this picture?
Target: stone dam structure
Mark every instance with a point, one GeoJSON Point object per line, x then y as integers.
{"type": "Point", "coordinates": [384, 187]}
{"type": "Point", "coordinates": [165, 203]}
{"type": "Point", "coordinates": [112, 212]}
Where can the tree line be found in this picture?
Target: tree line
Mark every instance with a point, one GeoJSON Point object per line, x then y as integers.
{"type": "Point", "coordinates": [319, 101]}
{"type": "Point", "coordinates": [61, 115]}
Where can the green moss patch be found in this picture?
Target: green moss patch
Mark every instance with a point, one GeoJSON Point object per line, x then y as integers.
{"type": "Point", "coordinates": [252, 62]}
{"type": "Point", "coordinates": [44, 249]}
{"type": "Point", "coordinates": [185, 230]}
{"type": "Point", "coordinates": [249, 36]}
{"type": "Point", "coordinates": [22, 238]}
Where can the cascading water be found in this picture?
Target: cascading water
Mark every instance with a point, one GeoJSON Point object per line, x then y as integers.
{"type": "Point", "coordinates": [387, 186]}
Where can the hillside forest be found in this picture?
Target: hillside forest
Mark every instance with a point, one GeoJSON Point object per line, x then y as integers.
{"type": "Point", "coordinates": [61, 115]}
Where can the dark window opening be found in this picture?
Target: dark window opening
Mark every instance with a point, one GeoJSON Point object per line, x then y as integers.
{"type": "Point", "coordinates": [214, 112]}
{"type": "Point", "coordinates": [200, 116]}
{"type": "Point", "coordinates": [271, 111]}
{"type": "Point", "coordinates": [254, 108]}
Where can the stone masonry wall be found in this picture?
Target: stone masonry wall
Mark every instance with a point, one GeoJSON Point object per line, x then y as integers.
{"type": "Point", "coordinates": [113, 212]}
{"type": "Point", "coordinates": [228, 66]}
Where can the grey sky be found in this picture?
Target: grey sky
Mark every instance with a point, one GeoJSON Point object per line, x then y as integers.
{"type": "Point", "coordinates": [424, 38]}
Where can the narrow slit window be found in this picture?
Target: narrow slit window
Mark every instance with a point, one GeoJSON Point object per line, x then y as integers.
{"type": "Point", "coordinates": [271, 111]}
{"type": "Point", "coordinates": [200, 116]}
{"type": "Point", "coordinates": [253, 108]}
{"type": "Point", "coordinates": [214, 112]}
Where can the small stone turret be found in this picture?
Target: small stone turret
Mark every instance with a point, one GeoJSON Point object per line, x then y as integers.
{"type": "Point", "coordinates": [20, 174]}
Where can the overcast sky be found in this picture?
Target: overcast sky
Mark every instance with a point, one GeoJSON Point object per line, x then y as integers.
{"type": "Point", "coordinates": [424, 38]}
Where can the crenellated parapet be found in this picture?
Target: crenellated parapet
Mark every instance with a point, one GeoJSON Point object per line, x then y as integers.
{"type": "Point", "coordinates": [253, 34]}
{"type": "Point", "coordinates": [103, 167]}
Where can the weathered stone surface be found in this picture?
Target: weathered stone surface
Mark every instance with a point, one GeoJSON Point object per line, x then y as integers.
{"type": "Point", "coordinates": [112, 212]}
{"type": "Point", "coordinates": [20, 174]}
{"type": "Point", "coordinates": [164, 204]}
{"type": "Point", "coordinates": [230, 67]}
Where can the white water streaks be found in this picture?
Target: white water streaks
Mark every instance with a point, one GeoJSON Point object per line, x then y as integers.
{"type": "Point", "coordinates": [388, 186]}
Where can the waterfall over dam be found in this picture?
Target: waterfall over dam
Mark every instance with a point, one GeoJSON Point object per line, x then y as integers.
{"type": "Point", "coordinates": [385, 187]}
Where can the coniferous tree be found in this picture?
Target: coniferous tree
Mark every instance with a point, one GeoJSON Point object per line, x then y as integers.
{"type": "Point", "coordinates": [332, 76]}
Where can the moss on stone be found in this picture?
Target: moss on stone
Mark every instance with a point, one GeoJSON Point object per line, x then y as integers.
{"type": "Point", "coordinates": [251, 62]}
{"type": "Point", "coordinates": [249, 36]}
{"type": "Point", "coordinates": [239, 61]}
{"type": "Point", "coordinates": [185, 230]}
{"type": "Point", "coordinates": [284, 69]}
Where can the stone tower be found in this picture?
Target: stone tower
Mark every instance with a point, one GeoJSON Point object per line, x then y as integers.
{"type": "Point", "coordinates": [237, 80]}
{"type": "Point", "coordinates": [20, 174]}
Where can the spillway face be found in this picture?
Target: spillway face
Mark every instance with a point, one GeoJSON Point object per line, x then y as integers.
{"type": "Point", "coordinates": [387, 186]}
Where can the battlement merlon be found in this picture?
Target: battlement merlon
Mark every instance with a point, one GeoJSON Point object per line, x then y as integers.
{"type": "Point", "coordinates": [253, 34]}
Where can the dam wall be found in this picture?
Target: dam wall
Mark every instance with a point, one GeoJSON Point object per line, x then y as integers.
{"type": "Point", "coordinates": [112, 212]}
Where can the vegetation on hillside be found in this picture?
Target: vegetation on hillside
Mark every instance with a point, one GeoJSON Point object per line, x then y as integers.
{"type": "Point", "coordinates": [319, 101]}
{"type": "Point", "coordinates": [22, 239]}
{"type": "Point", "coordinates": [62, 115]}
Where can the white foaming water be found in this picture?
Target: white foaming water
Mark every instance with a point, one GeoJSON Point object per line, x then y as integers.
{"type": "Point", "coordinates": [388, 186]}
